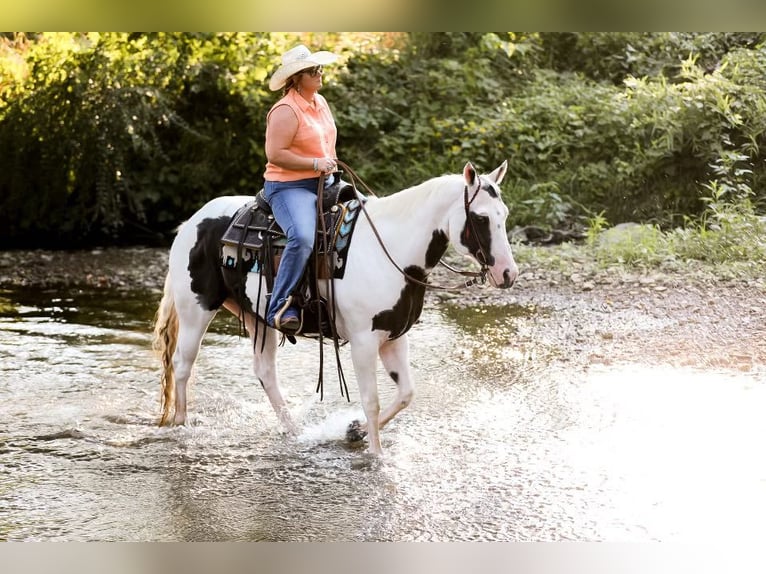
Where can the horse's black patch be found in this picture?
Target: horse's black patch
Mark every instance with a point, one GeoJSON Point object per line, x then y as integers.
{"type": "Point", "coordinates": [204, 263]}
{"type": "Point", "coordinates": [477, 238]}
{"type": "Point", "coordinates": [436, 248]}
{"type": "Point", "coordinates": [209, 281]}
{"type": "Point", "coordinates": [399, 320]}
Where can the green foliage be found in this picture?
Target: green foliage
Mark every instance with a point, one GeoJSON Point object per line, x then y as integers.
{"type": "Point", "coordinates": [596, 225]}
{"type": "Point", "coordinates": [631, 244]}
{"type": "Point", "coordinates": [729, 230]}
{"type": "Point", "coordinates": [614, 56]}
{"type": "Point", "coordinates": [538, 204]}
{"type": "Point", "coordinates": [636, 152]}
{"type": "Point", "coordinates": [410, 114]}
{"type": "Point", "coordinates": [111, 135]}
{"type": "Point", "coordinates": [119, 137]}
{"type": "Point", "coordinates": [739, 238]}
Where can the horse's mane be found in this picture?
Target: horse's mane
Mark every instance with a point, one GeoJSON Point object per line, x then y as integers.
{"type": "Point", "coordinates": [425, 192]}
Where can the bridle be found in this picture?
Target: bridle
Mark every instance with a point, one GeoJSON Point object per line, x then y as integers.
{"type": "Point", "coordinates": [477, 277]}
{"type": "Point", "coordinates": [481, 255]}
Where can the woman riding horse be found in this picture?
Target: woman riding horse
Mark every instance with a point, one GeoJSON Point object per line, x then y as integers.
{"type": "Point", "coordinates": [300, 148]}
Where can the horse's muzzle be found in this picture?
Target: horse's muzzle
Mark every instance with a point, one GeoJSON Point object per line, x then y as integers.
{"type": "Point", "coordinates": [508, 278]}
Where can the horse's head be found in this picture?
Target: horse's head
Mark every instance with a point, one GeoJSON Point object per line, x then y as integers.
{"type": "Point", "coordinates": [480, 225]}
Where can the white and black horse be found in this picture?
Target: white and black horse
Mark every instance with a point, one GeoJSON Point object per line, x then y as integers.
{"type": "Point", "coordinates": [377, 301]}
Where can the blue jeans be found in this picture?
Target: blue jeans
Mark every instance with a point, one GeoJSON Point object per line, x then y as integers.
{"type": "Point", "coordinates": [294, 206]}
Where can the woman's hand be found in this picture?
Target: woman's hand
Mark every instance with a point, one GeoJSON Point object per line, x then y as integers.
{"type": "Point", "coordinates": [326, 164]}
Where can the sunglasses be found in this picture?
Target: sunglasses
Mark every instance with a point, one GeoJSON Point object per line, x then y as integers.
{"type": "Point", "coordinates": [315, 71]}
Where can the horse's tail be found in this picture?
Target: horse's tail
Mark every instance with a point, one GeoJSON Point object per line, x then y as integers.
{"type": "Point", "coordinates": [164, 344]}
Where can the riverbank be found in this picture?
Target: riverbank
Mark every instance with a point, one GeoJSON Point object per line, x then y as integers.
{"type": "Point", "coordinates": [110, 268]}
{"type": "Point", "coordinates": [695, 316]}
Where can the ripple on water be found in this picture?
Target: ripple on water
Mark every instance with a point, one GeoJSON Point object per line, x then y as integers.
{"type": "Point", "coordinates": [500, 443]}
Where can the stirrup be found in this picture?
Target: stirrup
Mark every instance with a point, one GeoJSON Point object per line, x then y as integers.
{"type": "Point", "coordinates": [278, 318]}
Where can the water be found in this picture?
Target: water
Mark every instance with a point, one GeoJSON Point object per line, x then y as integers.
{"type": "Point", "coordinates": [500, 443]}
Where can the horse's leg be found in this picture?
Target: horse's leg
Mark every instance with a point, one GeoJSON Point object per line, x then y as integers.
{"type": "Point", "coordinates": [395, 358]}
{"type": "Point", "coordinates": [265, 364]}
{"type": "Point", "coordinates": [364, 355]}
{"type": "Point", "coordinates": [192, 324]}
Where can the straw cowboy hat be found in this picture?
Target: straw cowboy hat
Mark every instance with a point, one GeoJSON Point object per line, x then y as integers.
{"type": "Point", "coordinates": [297, 59]}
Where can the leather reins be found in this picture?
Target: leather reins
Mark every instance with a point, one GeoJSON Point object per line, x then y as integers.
{"type": "Point", "coordinates": [477, 277]}
{"type": "Point", "coordinates": [332, 310]}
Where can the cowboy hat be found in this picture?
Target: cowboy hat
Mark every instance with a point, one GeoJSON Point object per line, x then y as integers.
{"type": "Point", "coordinates": [297, 59]}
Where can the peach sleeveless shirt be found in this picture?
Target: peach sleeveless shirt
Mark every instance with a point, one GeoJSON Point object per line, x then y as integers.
{"type": "Point", "coordinates": [315, 137]}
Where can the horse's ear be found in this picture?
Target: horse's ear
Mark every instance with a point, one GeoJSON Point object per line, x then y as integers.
{"type": "Point", "coordinates": [469, 173]}
{"type": "Point", "coordinates": [498, 175]}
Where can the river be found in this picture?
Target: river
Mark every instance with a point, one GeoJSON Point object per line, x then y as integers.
{"type": "Point", "coordinates": [501, 443]}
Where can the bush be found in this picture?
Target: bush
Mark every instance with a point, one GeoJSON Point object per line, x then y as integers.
{"type": "Point", "coordinates": [729, 231]}
{"type": "Point", "coordinates": [614, 56]}
{"type": "Point", "coordinates": [118, 137]}
{"type": "Point", "coordinates": [432, 105]}
{"type": "Point", "coordinates": [110, 136]}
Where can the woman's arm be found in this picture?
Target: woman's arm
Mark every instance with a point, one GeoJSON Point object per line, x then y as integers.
{"type": "Point", "coordinates": [280, 131]}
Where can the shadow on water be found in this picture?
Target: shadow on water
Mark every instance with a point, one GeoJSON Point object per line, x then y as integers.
{"type": "Point", "coordinates": [126, 310]}
{"type": "Point", "coordinates": [92, 307]}
{"type": "Point", "coordinates": [500, 443]}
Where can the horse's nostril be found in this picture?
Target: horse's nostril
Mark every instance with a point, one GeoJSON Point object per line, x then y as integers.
{"type": "Point", "coordinates": [509, 279]}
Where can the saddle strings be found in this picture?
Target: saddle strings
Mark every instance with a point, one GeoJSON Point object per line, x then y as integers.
{"type": "Point", "coordinates": [325, 249]}
{"type": "Point", "coordinates": [479, 277]}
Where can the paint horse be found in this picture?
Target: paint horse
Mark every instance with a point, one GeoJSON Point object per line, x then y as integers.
{"type": "Point", "coordinates": [393, 249]}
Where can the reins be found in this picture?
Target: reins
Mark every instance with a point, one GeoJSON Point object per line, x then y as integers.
{"type": "Point", "coordinates": [325, 249]}
{"type": "Point", "coordinates": [477, 277]}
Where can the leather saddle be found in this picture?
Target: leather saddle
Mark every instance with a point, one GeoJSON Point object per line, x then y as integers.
{"type": "Point", "coordinates": [254, 221]}
{"type": "Point", "coordinates": [254, 241]}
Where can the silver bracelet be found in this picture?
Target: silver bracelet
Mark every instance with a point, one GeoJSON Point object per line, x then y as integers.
{"type": "Point", "coordinates": [315, 163]}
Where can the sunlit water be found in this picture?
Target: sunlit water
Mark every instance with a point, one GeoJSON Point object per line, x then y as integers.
{"type": "Point", "coordinates": [499, 444]}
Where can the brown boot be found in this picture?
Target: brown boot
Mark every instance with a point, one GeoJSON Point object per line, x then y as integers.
{"type": "Point", "coordinates": [288, 318]}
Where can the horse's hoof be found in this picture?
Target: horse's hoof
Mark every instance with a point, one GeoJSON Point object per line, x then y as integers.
{"type": "Point", "coordinates": [355, 433]}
